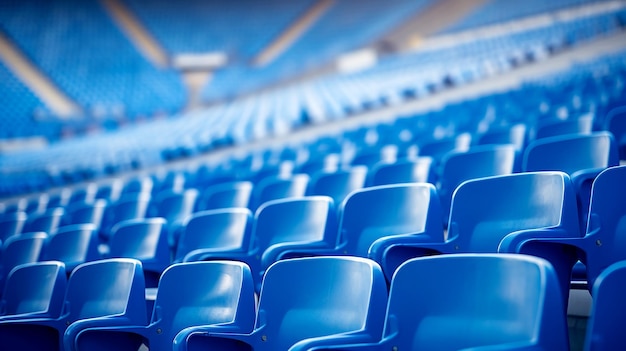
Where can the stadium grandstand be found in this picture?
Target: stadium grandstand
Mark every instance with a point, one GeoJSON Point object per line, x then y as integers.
{"type": "Point", "coordinates": [172, 109]}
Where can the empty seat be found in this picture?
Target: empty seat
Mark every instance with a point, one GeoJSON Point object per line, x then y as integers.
{"type": "Point", "coordinates": [283, 229]}
{"type": "Point", "coordinates": [34, 290]}
{"type": "Point", "coordinates": [221, 230]}
{"type": "Point", "coordinates": [20, 249]}
{"type": "Point", "coordinates": [145, 240]}
{"type": "Point", "coordinates": [487, 210]}
{"type": "Point", "coordinates": [583, 157]}
{"type": "Point", "coordinates": [101, 293]}
{"type": "Point", "coordinates": [47, 221]}
{"type": "Point", "coordinates": [224, 195]}
{"type": "Point", "coordinates": [605, 330]}
{"type": "Point", "coordinates": [578, 125]}
{"type": "Point", "coordinates": [302, 301]}
{"type": "Point", "coordinates": [514, 135]}
{"type": "Point", "coordinates": [615, 123]}
{"type": "Point", "coordinates": [133, 206]}
{"type": "Point", "coordinates": [337, 184]}
{"type": "Point", "coordinates": [11, 223]}
{"type": "Point", "coordinates": [175, 207]}
{"type": "Point", "coordinates": [189, 294]}
{"type": "Point", "coordinates": [72, 245]}
{"type": "Point", "coordinates": [474, 301]}
{"type": "Point", "coordinates": [401, 171]}
{"type": "Point", "coordinates": [274, 188]}
{"type": "Point", "coordinates": [85, 213]}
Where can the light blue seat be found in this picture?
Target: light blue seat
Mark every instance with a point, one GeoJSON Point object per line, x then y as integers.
{"type": "Point", "coordinates": [100, 293]}
{"type": "Point", "coordinates": [190, 294]}
{"type": "Point", "coordinates": [401, 171]}
{"type": "Point", "coordinates": [474, 302]}
{"type": "Point", "coordinates": [224, 195]}
{"type": "Point", "coordinates": [48, 221]}
{"type": "Point", "coordinates": [72, 245]}
{"type": "Point", "coordinates": [603, 243]}
{"type": "Point", "coordinates": [594, 152]}
{"type": "Point", "coordinates": [337, 184]}
{"type": "Point", "coordinates": [221, 230]}
{"type": "Point", "coordinates": [145, 240]}
{"type": "Point", "coordinates": [283, 229]}
{"type": "Point", "coordinates": [274, 188]}
{"type": "Point", "coordinates": [34, 290]}
{"type": "Point", "coordinates": [20, 249]}
{"type": "Point", "coordinates": [303, 301]}
{"type": "Point", "coordinates": [477, 162]}
{"type": "Point", "coordinates": [605, 328]}
{"type": "Point", "coordinates": [11, 223]}
{"type": "Point", "coordinates": [487, 210]}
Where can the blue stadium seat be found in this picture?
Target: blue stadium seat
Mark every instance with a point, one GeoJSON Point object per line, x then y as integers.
{"type": "Point", "coordinates": [401, 171]}
{"type": "Point", "coordinates": [175, 207]}
{"type": "Point", "coordinates": [11, 223]}
{"type": "Point", "coordinates": [604, 328]}
{"type": "Point", "coordinates": [474, 303]}
{"type": "Point", "coordinates": [224, 195]}
{"type": "Point", "coordinates": [615, 123]}
{"type": "Point", "coordinates": [72, 245]}
{"type": "Point", "coordinates": [101, 293]}
{"type": "Point", "coordinates": [221, 230]}
{"type": "Point", "coordinates": [283, 229]}
{"type": "Point", "coordinates": [576, 125]}
{"type": "Point", "coordinates": [515, 135]}
{"type": "Point", "coordinates": [594, 153]}
{"type": "Point", "coordinates": [131, 206]}
{"type": "Point", "coordinates": [601, 244]}
{"type": "Point", "coordinates": [486, 211]}
{"type": "Point", "coordinates": [34, 290]}
{"type": "Point", "coordinates": [191, 294]}
{"type": "Point", "coordinates": [143, 239]}
{"type": "Point", "coordinates": [338, 184]}
{"type": "Point", "coordinates": [274, 188]}
{"type": "Point", "coordinates": [20, 249]}
{"type": "Point", "coordinates": [47, 221]}
{"type": "Point", "coordinates": [302, 302]}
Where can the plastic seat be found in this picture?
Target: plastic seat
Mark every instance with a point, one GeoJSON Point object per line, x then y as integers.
{"type": "Point", "coordinates": [579, 125]}
{"type": "Point", "coordinates": [83, 194]}
{"type": "Point", "coordinates": [145, 240]}
{"type": "Point", "coordinates": [605, 330]}
{"type": "Point", "coordinates": [221, 230]}
{"type": "Point", "coordinates": [225, 195]}
{"type": "Point", "coordinates": [401, 171]}
{"type": "Point", "coordinates": [477, 162]}
{"type": "Point", "coordinates": [593, 153]}
{"type": "Point", "coordinates": [110, 191]}
{"type": "Point", "coordinates": [616, 124]}
{"type": "Point", "coordinates": [133, 206]}
{"type": "Point", "coordinates": [34, 290]}
{"type": "Point", "coordinates": [337, 184]}
{"type": "Point", "coordinates": [20, 249]}
{"type": "Point", "coordinates": [101, 293]}
{"type": "Point", "coordinates": [72, 245]}
{"type": "Point", "coordinates": [142, 184]}
{"type": "Point", "coordinates": [475, 302]}
{"type": "Point", "coordinates": [11, 223]}
{"type": "Point", "coordinates": [283, 229]}
{"type": "Point", "coordinates": [47, 221]}
{"type": "Point", "coordinates": [302, 301]}
{"type": "Point", "coordinates": [175, 207]}
{"type": "Point", "coordinates": [487, 210]}
{"type": "Point", "coordinates": [85, 213]}
{"type": "Point", "coordinates": [602, 244]}
{"type": "Point", "coordinates": [274, 188]}
{"type": "Point", "coordinates": [514, 135]}
{"type": "Point", "coordinates": [189, 294]}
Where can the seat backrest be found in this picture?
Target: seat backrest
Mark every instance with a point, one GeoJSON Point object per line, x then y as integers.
{"type": "Point", "coordinates": [111, 287]}
{"type": "Point", "coordinates": [47, 221]}
{"type": "Point", "coordinates": [309, 297]}
{"type": "Point", "coordinates": [596, 150]}
{"type": "Point", "coordinates": [274, 188]}
{"type": "Point", "coordinates": [514, 135]}
{"type": "Point", "coordinates": [605, 328]}
{"type": "Point", "coordinates": [304, 220]}
{"type": "Point", "coordinates": [110, 191]}
{"type": "Point", "coordinates": [222, 229]}
{"type": "Point", "coordinates": [578, 125]}
{"type": "Point", "coordinates": [607, 220]}
{"type": "Point", "coordinates": [374, 212]}
{"type": "Point", "coordinates": [83, 194]}
{"type": "Point", "coordinates": [616, 124]}
{"type": "Point", "coordinates": [142, 239]}
{"type": "Point", "coordinates": [86, 212]}
{"type": "Point", "coordinates": [72, 245]}
{"type": "Point", "coordinates": [337, 184]}
{"type": "Point", "coordinates": [478, 162]}
{"type": "Point", "coordinates": [11, 223]}
{"type": "Point", "coordinates": [225, 195]}
{"type": "Point", "coordinates": [173, 206]}
{"type": "Point", "coordinates": [475, 300]}
{"type": "Point", "coordinates": [141, 184]}
{"type": "Point", "coordinates": [485, 210]}
{"type": "Point", "coordinates": [203, 293]}
{"type": "Point", "coordinates": [34, 290]}
{"type": "Point", "coordinates": [402, 171]}
{"type": "Point", "coordinates": [132, 206]}
{"type": "Point", "coordinates": [20, 249]}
